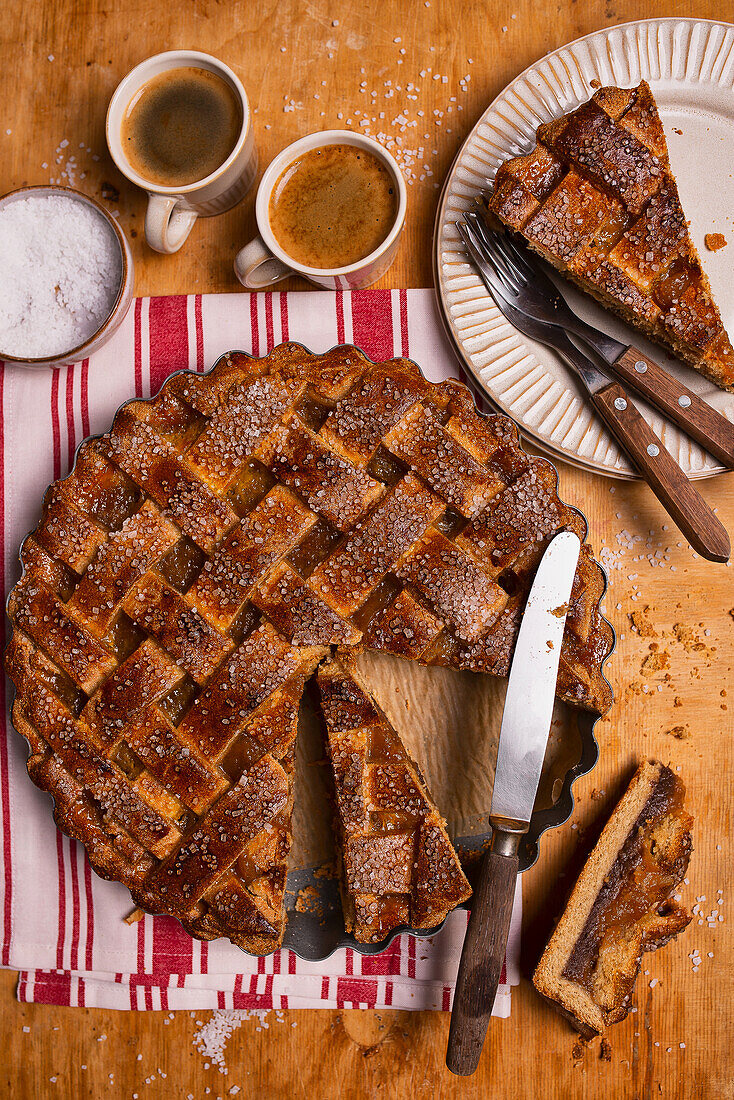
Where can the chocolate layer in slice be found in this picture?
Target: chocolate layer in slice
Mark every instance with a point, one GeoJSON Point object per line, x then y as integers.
{"type": "Point", "coordinates": [621, 905]}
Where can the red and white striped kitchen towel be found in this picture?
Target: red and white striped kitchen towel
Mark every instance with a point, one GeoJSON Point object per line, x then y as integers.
{"type": "Point", "coordinates": [62, 926]}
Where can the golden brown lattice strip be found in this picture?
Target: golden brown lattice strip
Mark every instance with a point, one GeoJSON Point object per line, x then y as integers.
{"type": "Point", "coordinates": [299, 614]}
{"type": "Point", "coordinates": [255, 670]}
{"type": "Point", "coordinates": [99, 488]}
{"type": "Point", "coordinates": [67, 533]}
{"type": "Point", "coordinates": [62, 634]}
{"type": "Point", "coordinates": [141, 540]}
{"type": "Point", "coordinates": [142, 679]}
{"type": "Point", "coordinates": [253, 911]}
{"type": "Point", "coordinates": [237, 429]}
{"type": "Point", "coordinates": [275, 527]}
{"type": "Point", "coordinates": [608, 154]}
{"type": "Point", "coordinates": [364, 415]}
{"type": "Point", "coordinates": [519, 517]}
{"type": "Point", "coordinates": [404, 627]}
{"type": "Point", "coordinates": [421, 441]}
{"type": "Point", "coordinates": [570, 216]}
{"type": "Point", "coordinates": [175, 762]}
{"type": "Point", "coordinates": [220, 836]}
{"type": "Point", "coordinates": [454, 584]}
{"type": "Point", "coordinates": [68, 738]}
{"type": "Point", "coordinates": [376, 545]}
{"type": "Point", "coordinates": [49, 571]}
{"type": "Point", "coordinates": [155, 465]}
{"type": "Point", "coordinates": [331, 485]}
{"type": "Point", "coordinates": [177, 626]}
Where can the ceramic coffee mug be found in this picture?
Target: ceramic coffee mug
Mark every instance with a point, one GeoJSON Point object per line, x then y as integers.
{"type": "Point", "coordinates": [263, 262]}
{"type": "Point", "coordinates": [172, 211]}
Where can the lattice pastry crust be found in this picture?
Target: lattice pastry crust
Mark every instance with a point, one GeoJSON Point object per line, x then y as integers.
{"type": "Point", "coordinates": [205, 555]}
{"type": "Point", "coordinates": [596, 198]}
{"type": "Point", "coordinates": [398, 866]}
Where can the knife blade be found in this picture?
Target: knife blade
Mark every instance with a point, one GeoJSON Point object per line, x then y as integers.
{"type": "Point", "coordinates": [531, 687]}
{"type": "Point", "coordinates": [523, 737]}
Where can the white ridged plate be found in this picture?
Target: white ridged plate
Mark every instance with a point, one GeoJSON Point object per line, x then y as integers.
{"type": "Point", "coordinates": [689, 65]}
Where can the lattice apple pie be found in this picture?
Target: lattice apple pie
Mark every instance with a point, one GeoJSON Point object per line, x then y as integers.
{"type": "Point", "coordinates": [201, 560]}
{"type": "Point", "coordinates": [596, 198]}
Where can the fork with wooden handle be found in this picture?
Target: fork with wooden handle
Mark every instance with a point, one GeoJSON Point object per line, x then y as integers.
{"type": "Point", "coordinates": [653, 462]}
{"type": "Point", "coordinates": [537, 295]}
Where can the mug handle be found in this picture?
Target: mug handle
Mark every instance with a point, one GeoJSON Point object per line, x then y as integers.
{"type": "Point", "coordinates": [166, 228]}
{"type": "Point", "coordinates": [256, 267]}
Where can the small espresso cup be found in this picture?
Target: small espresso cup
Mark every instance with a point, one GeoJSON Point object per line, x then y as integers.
{"type": "Point", "coordinates": [263, 262]}
{"type": "Point", "coordinates": [172, 211]}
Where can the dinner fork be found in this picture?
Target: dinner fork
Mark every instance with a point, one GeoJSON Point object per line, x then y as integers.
{"type": "Point", "coordinates": [532, 291]}
{"type": "Point", "coordinates": [653, 462]}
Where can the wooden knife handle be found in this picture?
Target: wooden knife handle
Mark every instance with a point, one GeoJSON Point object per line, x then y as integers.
{"type": "Point", "coordinates": [481, 961]}
{"type": "Point", "coordinates": [663, 474]}
{"type": "Point", "coordinates": [707, 426]}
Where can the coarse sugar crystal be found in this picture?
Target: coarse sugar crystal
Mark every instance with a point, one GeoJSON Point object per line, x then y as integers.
{"type": "Point", "coordinates": [61, 270]}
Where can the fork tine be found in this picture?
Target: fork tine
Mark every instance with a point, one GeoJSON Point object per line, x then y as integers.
{"type": "Point", "coordinates": [499, 284]}
{"type": "Point", "coordinates": [489, 233]}
{"type": "Point", "coordinates": [484, 247]}
{"type": "Point", "coordinates": [538, 280]}
{"type": "Point", "coordinates": [499, 261]}
{"type": "Point", "coordinates": [518, 255]}
{"type": "Point", "coordinates": [499, 241]}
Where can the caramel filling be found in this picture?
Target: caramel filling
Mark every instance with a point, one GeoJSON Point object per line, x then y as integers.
{"type": "Point", "coordinates": [639, 884]}
{"type": "Point", "coordinates": [252, 483]}
{"type": "Point", "coordinates": [381, 597]}
{"type": "Point", "coordinates": [392, 821]}
{"type": "Point", "coordinates": [385, 467]}
{"type": "Point", "coordinates": [314, 548]}
{"type": "Point", "coordinates": [384, 746]}
{"type": "Point", "coordinates": [669, 289]}
{"type": "Point", "coordinates": [182, 564]}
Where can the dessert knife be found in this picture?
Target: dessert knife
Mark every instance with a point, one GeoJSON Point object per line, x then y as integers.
{"type": "Point", "coordinates": [540, 298]}
{"type": "Point", "coordinates": [653, 462]}
{"type": "Point", "coordinates": [523, 735]}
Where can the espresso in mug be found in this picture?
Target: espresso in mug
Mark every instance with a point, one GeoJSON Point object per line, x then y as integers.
{"type": "Point", "coordinates": [180, 126]}
{"type": "Point", "coordinates": [333, 206]}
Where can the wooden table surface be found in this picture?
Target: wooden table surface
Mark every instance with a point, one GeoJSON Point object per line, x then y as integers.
{"type": "Point", "coordinates": [311, 64]}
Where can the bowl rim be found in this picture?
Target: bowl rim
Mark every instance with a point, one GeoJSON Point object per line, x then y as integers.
{"type": "Point", "coordinates": [78, 350]}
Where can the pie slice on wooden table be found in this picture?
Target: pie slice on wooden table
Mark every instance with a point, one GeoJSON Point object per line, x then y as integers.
{"type": "Point", "coordinates": [205, 555]}
{"type": "Point", "coordinates": [398, 865]}
{"type": "Point", "coordinates": [622, 904]}
{"type": "Point", "coordinates": [597, 199]}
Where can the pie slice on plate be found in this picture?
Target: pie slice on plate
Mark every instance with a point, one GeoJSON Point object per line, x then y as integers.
{"type": "Point", "coordinates": [597, 199]}
{"type": "Point", "coordinates": [205, 555]}
{"type": "Point", "coordinates": [398, 866]}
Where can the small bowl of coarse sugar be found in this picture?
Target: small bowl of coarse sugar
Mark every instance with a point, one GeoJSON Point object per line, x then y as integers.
{"type": "Point", "coordinates": [67, 276]}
